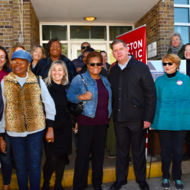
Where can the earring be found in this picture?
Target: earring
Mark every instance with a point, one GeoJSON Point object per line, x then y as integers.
{"type": "Point", "coordinates": [28, 69]}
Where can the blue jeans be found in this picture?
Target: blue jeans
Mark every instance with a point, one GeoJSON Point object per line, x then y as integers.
{"type": "Point", "coordinates": [6, 162]}
{"type": "Point", "coordinates": [171, 148]}
{"type": "Point", "coordinates": [27, 155]}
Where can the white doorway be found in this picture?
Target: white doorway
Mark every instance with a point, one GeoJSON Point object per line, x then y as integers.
{"type": "Point", "coordinates": [76, 49]}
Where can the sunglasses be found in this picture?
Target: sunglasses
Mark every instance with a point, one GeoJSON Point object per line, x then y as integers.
{"type": "Point", "coordinates": [170, 64]}
{"type": "Point", "coordinates": [84, 47]}
{"type": "Point", "coordinates": [97, 64]}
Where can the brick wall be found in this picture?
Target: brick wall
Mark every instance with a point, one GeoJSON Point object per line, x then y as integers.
{"type": "Point", "coordinates": [159, 25]}
{"type": "Point", "coordinates": [10, 27]}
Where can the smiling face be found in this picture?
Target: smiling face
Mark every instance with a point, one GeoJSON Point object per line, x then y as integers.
{"type": "Point", "coordinates": [170, 69]}
{"type": "Point", "coordinates": [55, 49]}
{"type": "Point", "coordinates": [176, 41]}
{"type": "Point", "coordinates": [187, 52]}
{"type": "Point", "coordinates": [19, 67]}
{"type": "Point", "coordinates": [2, 59]}
{"type": "Point", "coordinates": [37, 55]}
{"type": "Point", "coordinates": [94, 70]}
{"type": "Point", "coordinates": [57, 74]}
{"type": "Point", "coordinates": [120, 53]}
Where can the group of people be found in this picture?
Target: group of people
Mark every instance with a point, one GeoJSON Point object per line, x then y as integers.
{"type": "Point", "coordinates": [34, 98]}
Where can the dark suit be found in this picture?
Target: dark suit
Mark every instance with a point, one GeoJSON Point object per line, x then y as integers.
{"type": "Point", "coordinates": [134, 101]}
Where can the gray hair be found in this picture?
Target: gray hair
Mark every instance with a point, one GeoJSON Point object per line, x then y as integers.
{"type": "Point", "coordinates": [65, 79]}
{"type": "Point", "coordinates": [117, 41]}
{"type": "Point", "coordinates": [175, 34]}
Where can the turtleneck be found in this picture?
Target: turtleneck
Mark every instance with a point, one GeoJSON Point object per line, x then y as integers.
{"type": "Point", "coordinates": [171, 75]}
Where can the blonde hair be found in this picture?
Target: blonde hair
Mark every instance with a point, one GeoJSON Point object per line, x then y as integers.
{"type": "Point", "coordinates": [173, 58]}
{"type": "Point", "coordinates": [38, 46]}
{"type": "Point", "coordinates": [65, 79]}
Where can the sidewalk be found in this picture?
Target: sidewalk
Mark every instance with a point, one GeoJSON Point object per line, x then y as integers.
{"type": "Point", "coordinates": [154, 183]}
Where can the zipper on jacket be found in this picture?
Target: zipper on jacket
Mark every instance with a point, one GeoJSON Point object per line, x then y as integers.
{"type": "Point", "coordinates": [23, 105]}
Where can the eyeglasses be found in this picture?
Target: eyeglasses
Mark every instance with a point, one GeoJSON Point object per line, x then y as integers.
{"type": "Point", "coordinates": [97, 64]}
{"type": "Point", "coordinates": [84, 47]}
{"type": "Point", "coordinates": [170, 64]}
{"type": "Point", "coordinates": [20, 62]}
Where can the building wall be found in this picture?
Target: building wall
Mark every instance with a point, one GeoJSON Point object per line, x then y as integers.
{"type": "Point", "coordinates": [159, 25]}
{"type": "Point", "coordinates": [10, 27]}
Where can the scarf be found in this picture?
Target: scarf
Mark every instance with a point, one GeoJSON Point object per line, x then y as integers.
{"type": "Point", "coordinates": [58, 87]}
{"type": "Point", "coordinates": [175, 50]}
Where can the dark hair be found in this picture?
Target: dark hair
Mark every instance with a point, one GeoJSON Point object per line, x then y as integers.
{"type": "Point", "coordinates": [84, 43]}
{"type": "Point", "coordinates": [88, 50]}
{"type": "Point", "coordinates": [188, 44]}
{"type": "Point", "coordinates": [104, 52]}
{"type": "Point", "coordinates": [117, 41]}
{"type": "Point", "coordinates": [50, 42]}
{"type": "Point", "coordinates": [94, 54]}
{"type": "Point", "coordinates": [6, 66]}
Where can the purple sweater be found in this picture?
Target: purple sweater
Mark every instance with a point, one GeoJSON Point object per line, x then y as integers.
{"type": "Point", "coordinates": [101, 116]}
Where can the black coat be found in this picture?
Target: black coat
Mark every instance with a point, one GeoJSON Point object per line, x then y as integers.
{"type": "Point", "coordinates": [188, 67]}
{"type": "Point", "coordinates": [133, 92]}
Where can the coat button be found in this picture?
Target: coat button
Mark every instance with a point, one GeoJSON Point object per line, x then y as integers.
{"type": "Point", "coordinates": [134, 105]}
{"type": "Point", "coordinates": [118, 110]}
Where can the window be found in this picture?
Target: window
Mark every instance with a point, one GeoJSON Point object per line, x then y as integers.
{"type": "Point", "coordinates": [182, 19]}
{"type": "Point", "coordinates": [88, 32]}
{"type": "Point", "coordinates": [118, 30]}
{"type": "Point", "coordinates": [51, 31]}
{"type": "Point", "coordinates": [185, 2]}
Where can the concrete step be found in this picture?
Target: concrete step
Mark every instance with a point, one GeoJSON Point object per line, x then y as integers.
{"type": "Point", "coordinates": [108, 175]}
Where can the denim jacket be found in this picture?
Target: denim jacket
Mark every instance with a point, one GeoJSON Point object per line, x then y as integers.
{"type": "Point", "coordinates": [77, 87]}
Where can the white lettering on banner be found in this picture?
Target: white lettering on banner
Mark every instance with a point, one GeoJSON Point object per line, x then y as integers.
{"type": "Point", "coordinates": [135, 44]}
{"type": "Point", "coordinates": [139, 53]}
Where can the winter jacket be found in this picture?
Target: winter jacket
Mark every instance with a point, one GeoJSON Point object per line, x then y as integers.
{"type": "Point", "coordinates": [133, 92]}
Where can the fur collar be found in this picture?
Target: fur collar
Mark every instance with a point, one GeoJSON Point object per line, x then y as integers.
{"type": "Point", "coordinates": [12, 78]}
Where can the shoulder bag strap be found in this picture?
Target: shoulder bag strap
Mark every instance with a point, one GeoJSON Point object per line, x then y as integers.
{"type": "Point", "coordinates": [85, 85]}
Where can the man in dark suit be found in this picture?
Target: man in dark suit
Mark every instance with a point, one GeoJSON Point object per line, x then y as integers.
{"type": "Point", "coordinates": [134, 103]}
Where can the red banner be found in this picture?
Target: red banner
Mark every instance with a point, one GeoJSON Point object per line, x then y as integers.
{"type": "Point", "coordinates": [136, 42]}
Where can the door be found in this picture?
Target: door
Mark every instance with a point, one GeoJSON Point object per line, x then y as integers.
{"type": "Point", "coordinates": [76, 49]}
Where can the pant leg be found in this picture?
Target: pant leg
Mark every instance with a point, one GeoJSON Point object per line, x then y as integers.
{"type": "Point", "coordinates": [59, 171]}
{"type": "Point", "coordinates": [122, 150]}
{"type": "Point", "coordinates": [138, 143]}
{"type": "Point", "coordinates": [98, 150]}
{"type": "Point", "coordinates": [187, 139]}
{"type": "Point", "coordinates": [85, 136]}
{"type": "Point", "coordinates": [166, 148]}
{"type": "Point", "coordinates": [19, 147]}
{"type": "Point", "coordinates": [6, 162]}
{"type": "Point", "coordinates": [34, 148]}
{"type": "Point", "coordinates": [48, 169]}
{"type": "Point", "coordinates": [178, 138]}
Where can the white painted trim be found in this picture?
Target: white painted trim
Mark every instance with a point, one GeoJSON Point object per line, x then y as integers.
{"type": "Point", "coordinates": [181, 6]}
{"type": "Point", "coordinates": [181, 24]}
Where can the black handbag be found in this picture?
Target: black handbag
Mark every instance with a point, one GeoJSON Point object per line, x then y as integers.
{"type": "Point", "coordinates": [77, 109]}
